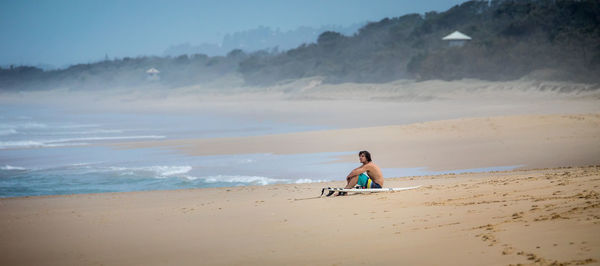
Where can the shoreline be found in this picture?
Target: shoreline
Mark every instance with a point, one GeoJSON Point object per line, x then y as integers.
{"type": "Point", "coordinates": [338, 182]}
{"type": "Point", "coordinates": [458, 145]}
{"type": "Point", "coordinates": [507, 217]}
{"type": "Point", "coordinates": [466, 143]}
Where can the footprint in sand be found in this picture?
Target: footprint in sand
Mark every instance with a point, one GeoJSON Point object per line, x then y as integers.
{"type": "Point", "coordinates": [186, 210]}
{"type": "Point", "coordinates": [508, 251]}
{"type": "Point", "coordinates": [517, 215]}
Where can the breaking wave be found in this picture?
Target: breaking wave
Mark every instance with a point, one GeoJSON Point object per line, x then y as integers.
{"type": "Point", "coordinates": [253, 180]}
{"type": "Point", "coordinates": [21, 144]}
{"type": "Point", "coordinates": [33, 144]}
{"type": "Point", "coordinates": [10, 167]}
{"type": "Point", "coordinates": [27, 125]}
{"type": "Point", "coordinates": [306, 180]}
{"type": "Point", "coordinates": [157, 171]}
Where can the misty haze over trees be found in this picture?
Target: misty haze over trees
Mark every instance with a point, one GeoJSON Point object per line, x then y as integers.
{"type": "Point", "coordinates": [261, 38]}
{"type": "Point", "coordinates": [542, 39]}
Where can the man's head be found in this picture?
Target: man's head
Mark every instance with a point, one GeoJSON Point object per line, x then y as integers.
{"type": "Point", "coordinates": [364, 156]}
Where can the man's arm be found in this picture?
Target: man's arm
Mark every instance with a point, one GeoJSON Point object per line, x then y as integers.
{"type": "Point", "coordinates": [357, 171]}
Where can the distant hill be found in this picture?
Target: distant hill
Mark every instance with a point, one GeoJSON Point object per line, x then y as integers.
{"type": "Point", "coordinates": [126, 72]}
{"type": "Point", "coordinates": [511, 39]}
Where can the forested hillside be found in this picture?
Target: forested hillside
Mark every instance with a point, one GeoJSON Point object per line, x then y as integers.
{"type": "Point", "coordinates": [541, 39]}
{"type": "Point", "coordinates": [510, 39]}
{"type": "Point", "coordinates": [174, 71]}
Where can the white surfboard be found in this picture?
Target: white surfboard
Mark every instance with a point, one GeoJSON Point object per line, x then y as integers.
{"type": "Point", "coordinates": [333, 189]}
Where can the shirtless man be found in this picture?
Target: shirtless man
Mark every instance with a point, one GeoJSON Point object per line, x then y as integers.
{"type": "Point", "coordinates": [368, 175]}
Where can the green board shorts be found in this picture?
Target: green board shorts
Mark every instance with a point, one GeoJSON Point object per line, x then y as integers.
{"type": "Point", "coordinates": [365, 181]}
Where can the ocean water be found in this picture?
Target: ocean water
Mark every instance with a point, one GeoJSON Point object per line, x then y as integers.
{"type": "Point", "coordinates": [97, 169]}
{"type": "Point", "coordinates": [49, 151]}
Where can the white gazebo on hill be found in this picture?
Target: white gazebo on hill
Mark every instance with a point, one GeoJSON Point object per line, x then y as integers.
{"type": "Point", "coordinates": [153, 74]}
{"type": "Point", "coordinates": [456, 38]}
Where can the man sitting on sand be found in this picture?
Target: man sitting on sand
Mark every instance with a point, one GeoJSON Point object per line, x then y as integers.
{"type": "Point", "coordinates": [366, 176]}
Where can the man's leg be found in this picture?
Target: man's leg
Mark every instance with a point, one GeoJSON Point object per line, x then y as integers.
{"type": "Point", "coordinates": [352, 182]}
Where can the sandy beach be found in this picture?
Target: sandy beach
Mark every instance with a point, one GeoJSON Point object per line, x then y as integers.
{"type": "Point", "coordinates": [533, 217]}
{"type": "Point", "coordinates": [526, 141]}
{"type": "Point", "coordinates": [240, 132]}
{"type": "Point", "coordinates": [545, 212]}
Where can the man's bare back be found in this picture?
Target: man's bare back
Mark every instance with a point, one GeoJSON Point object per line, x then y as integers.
{"type": "Point", "coordinates": [374, 173]}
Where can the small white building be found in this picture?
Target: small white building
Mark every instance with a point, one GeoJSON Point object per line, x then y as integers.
{"type": "Point", "coordinates": [153, 74]}
{"type": "Point", "coordinates": [456, 38]}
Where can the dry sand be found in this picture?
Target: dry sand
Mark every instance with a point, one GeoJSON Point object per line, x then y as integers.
{"type": "Point", "coordinates": [533, 217]}
{"type": "Point", "coordinates": [526, 216]}
{"type": "Point", "coordinates": [537, 217]}
{"type": "Point", "coordinates": [349, 105]}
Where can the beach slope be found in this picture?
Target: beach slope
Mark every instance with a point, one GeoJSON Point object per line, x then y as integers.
{"type": "Point", "coordinates": [536, 217]}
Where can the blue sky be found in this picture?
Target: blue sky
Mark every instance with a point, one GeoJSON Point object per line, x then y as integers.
{"type": "Point", "coordinates": [62, 32]}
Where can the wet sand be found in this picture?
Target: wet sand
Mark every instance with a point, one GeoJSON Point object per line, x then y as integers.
{"type": "Point", "coordinates": [536, 217]}
{"type": "Point", "coordinates": [526, 141]}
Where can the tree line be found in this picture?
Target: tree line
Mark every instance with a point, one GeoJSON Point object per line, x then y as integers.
{"type": "Point", "coordinates": [547, 39]}
{"type": "Point", "coordinates": [543, 39]}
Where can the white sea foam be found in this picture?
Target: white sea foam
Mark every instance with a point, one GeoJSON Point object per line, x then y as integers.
{"type": "Point", "coordinates": [82, 164]}
{"type": "Point", "coordinates": [306, 180]}
{"type": "Point", "coordinates": [35, 144]}
{"type": "Point", "coordinates": [22, 125]}
{"type": "Point", "coordinates": [36, 125]}
{"type": "Point", "coordinates": [10, 167]}
{"type": "Point", "coordinates": [104, 138]}
{"type": "Point", "coordinates": [87, 132]}
{"type": "Point", "coordinates": [256, 180]}
{"type": "Point", "coordinates": [78, 126]}
{"type": "Point", "coordinates": [21, 144]}
{"type": "Point", "coordinates": [167, 171]}
{"type": "Point", "coordinates": [158, 171]}
{"type": "Point", "coordinates": [50, 145]}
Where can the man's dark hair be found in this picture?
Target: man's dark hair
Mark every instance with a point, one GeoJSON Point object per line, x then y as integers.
{"type": "Point", "coordinates": [367, 155]}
